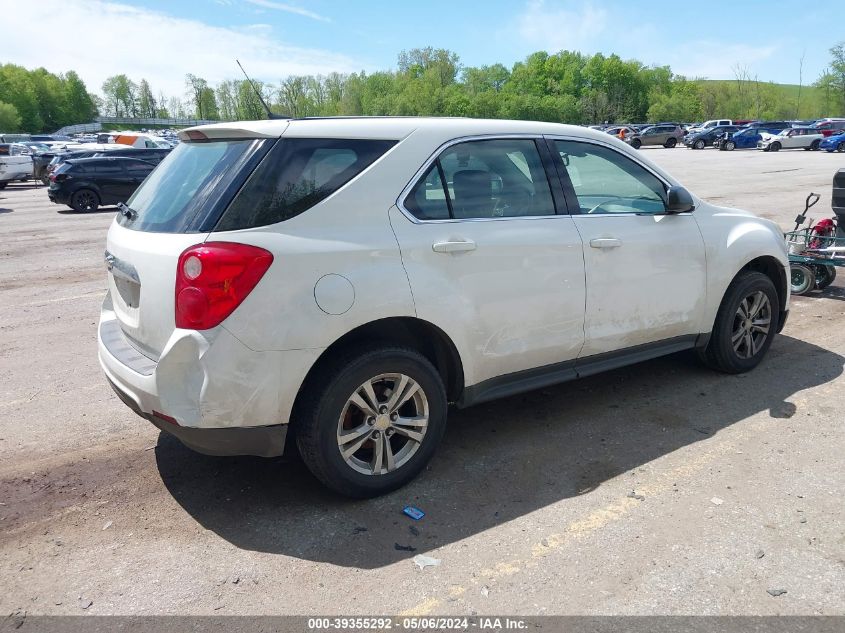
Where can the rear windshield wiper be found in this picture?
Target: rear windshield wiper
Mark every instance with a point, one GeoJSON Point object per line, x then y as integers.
{"type": "Point", "coordinates": [126, 211]}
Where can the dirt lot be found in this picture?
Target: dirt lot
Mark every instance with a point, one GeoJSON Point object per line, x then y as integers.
{"type": "Point", "coordinates": [528, 501]}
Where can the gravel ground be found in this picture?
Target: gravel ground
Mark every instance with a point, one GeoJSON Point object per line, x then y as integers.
{"type": "Point", "coordinates": [662, 488]}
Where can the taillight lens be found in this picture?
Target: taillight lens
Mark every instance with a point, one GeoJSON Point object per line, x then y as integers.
{"type": "Point", "coordinates": [212, 279]}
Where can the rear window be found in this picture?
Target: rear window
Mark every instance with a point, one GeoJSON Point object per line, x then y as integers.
{"type": "Point", "coordinates": [297, 174]}
{"type": "Point", "coordinates": [188, 191]}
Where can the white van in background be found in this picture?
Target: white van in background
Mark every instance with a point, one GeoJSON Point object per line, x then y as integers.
{"type": "Point", "coordinates": [15, 163]}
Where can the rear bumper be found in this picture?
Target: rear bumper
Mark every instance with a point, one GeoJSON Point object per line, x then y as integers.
{"type": "Point", "coordinates": [261, 441]}
{"type": "Point", "coordinates": [226, 399]}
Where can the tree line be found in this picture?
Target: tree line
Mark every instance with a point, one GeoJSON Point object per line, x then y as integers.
{"type": "Point", "coordinates": [568, 87]}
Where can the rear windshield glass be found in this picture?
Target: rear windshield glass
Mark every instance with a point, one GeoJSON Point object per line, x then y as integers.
{"type": "Point", "coordinates": [188, 189]}
{"type": "Point", "coordinates": [297, 174]}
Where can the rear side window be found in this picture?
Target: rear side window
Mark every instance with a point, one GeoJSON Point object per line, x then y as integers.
{"type": "Point", "coordinates": [106, 168]}
{"type": "Point", "coordinates": [297, 174]}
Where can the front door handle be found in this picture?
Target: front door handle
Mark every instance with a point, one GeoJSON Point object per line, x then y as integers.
{"type": "Point", "coordinates": [453, 246]}
{"type": "Point", "coordinates": [605, 242]}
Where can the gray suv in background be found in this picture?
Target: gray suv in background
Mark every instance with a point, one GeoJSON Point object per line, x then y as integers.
{"type": "Point", "coordinates": [662, 134]}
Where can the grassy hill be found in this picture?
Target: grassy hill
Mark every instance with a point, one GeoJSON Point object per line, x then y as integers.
{"type": "Point", "coordinates": [750, 99]}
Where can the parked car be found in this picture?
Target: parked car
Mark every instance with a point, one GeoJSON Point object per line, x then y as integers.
{"type": "Point", "coordinates": [833, 143]}
{"type": "Point", "coordinates": [15, 163]}
{"type": "Point", "coordinates": [41, 155]}
{"type": "Point", "coordinates": [154, 156]}
{"type": "Point", "coordinates": [614, 131]}
{"type": "Point", "coordinates": [708, 125]}
{"type": "Point", "coordinates": [794, 138]}
{"type": "Point", "coordinates": [700, 140]}
{"type": "Point", "coordinates": [770, 126]}
{"type": "Point", "coordinates": [84, 184]}
{"type": "Point", "coordinates": [665, 135]}
{"type": "Point", "coordinates": [257, 284]}
{"type": "Point", "coordinates": [829, 127]}
{"type": "Point", "coordinates": [747, 137]}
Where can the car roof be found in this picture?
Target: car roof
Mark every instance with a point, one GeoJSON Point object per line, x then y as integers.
{"type": "Point", "coordinates": [93, 159]}
{"type": "Point", "coordinates": [384, 128]}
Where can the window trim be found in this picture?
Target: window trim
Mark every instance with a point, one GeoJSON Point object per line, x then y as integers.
{"type": "Point", "coordinates": [559, 205]}
{"type": "Point", "coordinates": [569, 189]}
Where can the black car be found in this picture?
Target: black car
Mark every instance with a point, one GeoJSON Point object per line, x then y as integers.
{"type": "Point", "coordinates": [770, 125]}
{"type": "Point", "coordinates": [154, 156]}
{"type": "Point", "coordinates": [87, 183]}
{"type": "Point", "coordinates": [700, 140]}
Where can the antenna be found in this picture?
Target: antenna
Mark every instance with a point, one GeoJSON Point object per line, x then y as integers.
{"type": "Point", "coordinates": [270, 115]}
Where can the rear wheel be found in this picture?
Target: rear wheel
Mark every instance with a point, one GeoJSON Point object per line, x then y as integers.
{"type": "Point", "coordinates": [699, 144]}
{"type": "Point", "coordinates": [825, 274]}
{"type": "Point", "coordinates": [371, 421]}
{"type": "Point", "coordinates": [670, 143]}
{"type": "Point", "coordinates": [3, 185]}
{"type": "Point", "coordinates": [745, 324]}
{"type": "Point", "coordinates": [729, 146]}
{"type": "Point", "coordinates": [815, 145]}
{"type": "Point", "coordinates": [802, 279]}
{"type": "Point", "coordinates": [636, 143]}
{"type": "Point", "coordinates": [84, 200]}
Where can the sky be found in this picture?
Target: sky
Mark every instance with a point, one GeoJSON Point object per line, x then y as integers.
{"type": "Point", "coordinates": [163, 40]}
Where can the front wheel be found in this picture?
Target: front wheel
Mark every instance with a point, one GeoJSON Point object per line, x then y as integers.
{"type": "Point", "coordinates": [745, 324]}
{"type": "Point", "coordinates": [372, 420]}
{"type": "Point", "coordinates": [775, 147]}
{"type": "Point", "coordinates": [699, 144]}
{"type": "Point", "coordinates": [841, 147]}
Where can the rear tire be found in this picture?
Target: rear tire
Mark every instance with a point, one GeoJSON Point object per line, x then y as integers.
{"type": "Point", "coordinates": [729, 145]}
{"type": "Point", "coordinates": [745, 324]}
{"type": "Point", "coordinates": [3, 185]}
{"type": "Point", "coordinates": [815, 146]}
{"type": "Point", "coordinates": [636, 143]}
{"type": "Point", "coordinates": [669, 144]}
{"type": "Point", "coordinates": [379, 457]}
{"type": "Point", "coordinates": [84, 200]}
{"type": "Point", "coordinates": [802, 279]}
{"type": "Point", "coordinates": [825, 274]}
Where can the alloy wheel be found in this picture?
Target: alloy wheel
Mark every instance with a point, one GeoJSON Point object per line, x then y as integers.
{"type": "Point", "coordinates": [752, 321]}
{"type": "Point", "coordinates": [382, 424]}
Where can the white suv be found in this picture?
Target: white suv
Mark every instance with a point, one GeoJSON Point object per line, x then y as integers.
{"type": "Point", "coordinates": [338, 282]}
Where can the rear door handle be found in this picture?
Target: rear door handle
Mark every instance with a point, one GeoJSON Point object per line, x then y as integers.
{"type": "Point", "coordinates": [605, 242]}
{"type": "Point", "coordinates": [453, 246]}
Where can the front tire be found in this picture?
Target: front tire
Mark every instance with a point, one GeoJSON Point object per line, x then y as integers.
{"type": "Point", "coordinates": [841, 147]}
{"type": "Point", "coordinates": [699, 144]}
{"type": "Point", "coordinates": [371, 420]}
{"type": "Point", "coordinates": [774, 147]}
{"type": "Point", "coordinates": [745, 324]}
{"type": "Point", "coordinates": [84, 200]}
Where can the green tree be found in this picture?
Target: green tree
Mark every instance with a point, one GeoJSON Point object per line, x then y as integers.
{"type": "Point", "coordinates": [147, 106]}
{"type": "Point", "coordinates": [120, 94]}
{"type": "Point", "coordinates": [80, 106]}
{"type": "Point", "coordinates": [10, 120]}
{"type": "Point", "coordinates": [17, 89]}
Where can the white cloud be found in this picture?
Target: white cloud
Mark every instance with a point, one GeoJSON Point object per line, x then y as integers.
{"type": "Point", "coordinates": [554, 29]}
{"type": "Point", "coordinates": [98, 39]}
{"type": "Point", "coordinates": [280, 6]}
{"type": "Point", "coordinates": [716, 60]}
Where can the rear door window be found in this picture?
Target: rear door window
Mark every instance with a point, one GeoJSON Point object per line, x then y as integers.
{"type": "Point", "coordinates": [297, 174]}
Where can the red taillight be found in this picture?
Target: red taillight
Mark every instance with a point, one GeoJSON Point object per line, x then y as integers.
{"type": "Point", "coordinates": [212, 279]}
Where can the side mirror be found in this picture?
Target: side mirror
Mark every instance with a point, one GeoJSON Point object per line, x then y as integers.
{"type": "Point", "coordinates": [679, 200]}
